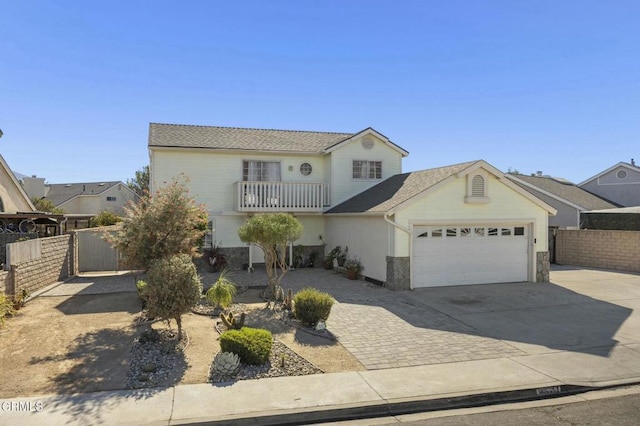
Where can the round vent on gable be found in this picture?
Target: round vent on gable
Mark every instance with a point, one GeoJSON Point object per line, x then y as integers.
{"type": "Point", "coordinates": [367, 142]}
{"type": "Point", "coordinates": [305, 169]}
{"type": "Point", "coordinates": [621, 174]}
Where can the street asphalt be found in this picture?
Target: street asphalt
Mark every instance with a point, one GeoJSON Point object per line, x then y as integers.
{"type": "Point", "coordinates": [425, 349]}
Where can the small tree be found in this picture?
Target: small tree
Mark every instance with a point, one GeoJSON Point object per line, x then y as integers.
{"type": "Point", "coordinates": [46, 205]}
{"type": "Point", "coordinates": [272, 233]}
{"type": "Point", "coordinates": [140, 184]}
{"type": "Point", "coordinates": [167, 223]}
{"type": "Point", "coordinates": [105, 218]}
{"type": "Point", "coordinates": [173, 288]}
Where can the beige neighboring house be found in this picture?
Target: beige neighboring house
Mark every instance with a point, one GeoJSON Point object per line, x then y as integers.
{"type": "Point", "coordinates": [13, 197]}
{"type": "Point", "coordinates": [460, 224]}
{"type": "Point", "coordinates": [82, 201]}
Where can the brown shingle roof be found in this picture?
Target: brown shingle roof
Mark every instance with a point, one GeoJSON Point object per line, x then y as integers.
{"type": "Point", "coordinates": [189, 136]}
{"type": "Point", "coordinates": [396, 190]}
{"type": "Point", "coordinates": [565, 190]}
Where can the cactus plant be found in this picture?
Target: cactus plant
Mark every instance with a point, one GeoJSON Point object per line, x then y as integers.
{"type": "Point", "coordinates": [226, 363]}
{"type": "Point", "coordinates": [279, 294]}
{"type": "Point", "coordinates": [232, 322]}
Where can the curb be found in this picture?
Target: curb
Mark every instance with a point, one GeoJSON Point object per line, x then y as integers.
{"type": "Point", "coordinates": [390, 408]}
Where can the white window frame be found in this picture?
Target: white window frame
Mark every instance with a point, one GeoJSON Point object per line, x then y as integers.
{"type": "Point", "coordinates": [366, 169]}
{"type": "Point", "coordinates": [262, 173]}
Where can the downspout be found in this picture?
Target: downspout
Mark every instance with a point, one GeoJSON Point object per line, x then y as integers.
{"type": "Point", "coordinates": [396, 225]}
{"type": "Point", "coordinates": [386, 219]}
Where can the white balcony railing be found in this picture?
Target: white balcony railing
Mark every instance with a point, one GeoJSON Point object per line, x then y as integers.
{"type": "Point", "coordinates": [281, 196]}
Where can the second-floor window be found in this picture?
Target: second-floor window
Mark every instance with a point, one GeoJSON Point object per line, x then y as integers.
{"type": "Point", "coordinates": [364, 169]}
{"type": "Point", "coordinates": [111, 198]}
{"type": "Point", "coordinates": [260, 171]}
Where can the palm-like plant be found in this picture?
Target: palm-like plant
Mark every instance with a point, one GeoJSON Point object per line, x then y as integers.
{"type": "Point", "coordinates": [221, 294]}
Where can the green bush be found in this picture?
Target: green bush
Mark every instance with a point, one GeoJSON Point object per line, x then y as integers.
{"type": "Point", "coordinates": [252, 345]}
{"type": "Point", "coordinates": [311, 306]}
{"type": "Point", "coordinates": [6, 308]}
{"type": "Point", "coordinates": [173, 288]}
{"type": "Point", "coordinates": [105, 218]}
{"type": "Point", "coordinates": [222, 292]}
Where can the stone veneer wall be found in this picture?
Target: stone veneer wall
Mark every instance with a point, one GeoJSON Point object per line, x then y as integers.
{"type": "Point", "coordinates": [398, 273]}
{"type": "Point", "coordinates": [594, 248]}
{"type": "Point", "coordinates": [56, 264]}
{"type": "Point", "coordinates": [4, 276]}
{"type": "Point", "coordinates": [542, 266]}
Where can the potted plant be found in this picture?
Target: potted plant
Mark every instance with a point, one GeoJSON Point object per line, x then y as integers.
{"type": "Point", "coordinates": [341, 257]}
{"type": "Point", "coordinates": [333, 254]}
{"type": "Point", "coordinates": [353, 267]}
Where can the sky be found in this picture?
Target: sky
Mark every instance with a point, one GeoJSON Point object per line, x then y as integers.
{"type": "Point", "coordinates": [551, 86]}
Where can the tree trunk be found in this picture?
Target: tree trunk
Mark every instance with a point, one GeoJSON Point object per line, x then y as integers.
{"type": "Point", "coordinates": [178, 319]}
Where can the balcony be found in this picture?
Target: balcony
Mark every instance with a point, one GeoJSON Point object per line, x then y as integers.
{"type": "Point", "coordinates": [281, 196]}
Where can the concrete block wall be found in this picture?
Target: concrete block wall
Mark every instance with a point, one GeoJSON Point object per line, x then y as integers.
{"type": "Point", "coordinates": [56, 264]}
{"type": "Point", "coordinates": [618, 250]}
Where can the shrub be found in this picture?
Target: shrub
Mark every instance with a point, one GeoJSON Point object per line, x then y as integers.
{"type": "Point", "coordinates": [252, 345]}
{"type": "Point", "coordinates": [6, 308]}
{"type": "Point", "coordinates": [311, 306]}
{"type": "Point", "coordinates": [222, 292]}
{"type": "Point", "coordinates": [105, 218]}
{"type": "Point", "coordinates": [173, 288]}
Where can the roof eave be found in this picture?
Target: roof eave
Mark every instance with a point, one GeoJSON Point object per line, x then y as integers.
{"type": "Point", "coordinates": [368, 130]}
{"type": "Point", "coordinates": [235, 150]}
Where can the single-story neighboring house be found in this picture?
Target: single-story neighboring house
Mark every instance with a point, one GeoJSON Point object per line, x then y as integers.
{"type": "Point", "coordinates": [566, 197]}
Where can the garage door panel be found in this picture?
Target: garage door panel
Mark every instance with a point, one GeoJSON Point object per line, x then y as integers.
{"type": "Point", "coordinates": [458, 260]}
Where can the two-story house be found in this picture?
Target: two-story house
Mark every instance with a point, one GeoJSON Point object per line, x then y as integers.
{"type": "Point", "coordinates": [619, 183]}
{"type": "Point", "coordinates": [81, 201]}
{"type": "Point", "coordinates": [458, 224]}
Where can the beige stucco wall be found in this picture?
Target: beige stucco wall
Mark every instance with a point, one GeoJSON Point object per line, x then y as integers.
{"type": "Point", "coordinates": [96, 203]}
{"type": "Point", "coordinates": [366, 237]}
{"type": "Point", "coordinates": [446, 205]}
{"type": "Point", "coordinates": [12, 198]}
{"type": "Point", "coordinates": [343, 186]}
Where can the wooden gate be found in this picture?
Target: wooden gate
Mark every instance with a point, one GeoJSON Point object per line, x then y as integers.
{"type": "Point", "coordinates": [94, 252]}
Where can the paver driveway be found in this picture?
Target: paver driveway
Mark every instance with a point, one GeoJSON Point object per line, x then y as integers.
{"type": "Point", "coordinates": [581, 310]}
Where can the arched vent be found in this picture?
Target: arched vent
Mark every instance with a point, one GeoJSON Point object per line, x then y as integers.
{"type": "Point", "coordinates": [477, 186]}
{"type": "Point", "coordinates": [367, 143]}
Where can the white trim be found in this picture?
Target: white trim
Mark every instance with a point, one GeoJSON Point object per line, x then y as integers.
{"type": "Point", "coordinates": [620, 164]}
{"type": "Point", "coordinates": [487, 167]}
{"type": "Point", "coordinates": [367, 131]}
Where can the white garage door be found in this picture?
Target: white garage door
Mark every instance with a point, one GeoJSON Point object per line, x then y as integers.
{"type": "Point", "coordinates": [457, 255]}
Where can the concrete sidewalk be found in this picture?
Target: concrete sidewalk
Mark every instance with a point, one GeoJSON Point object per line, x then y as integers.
{"type": "Point", "coordinates": [337, 396]}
